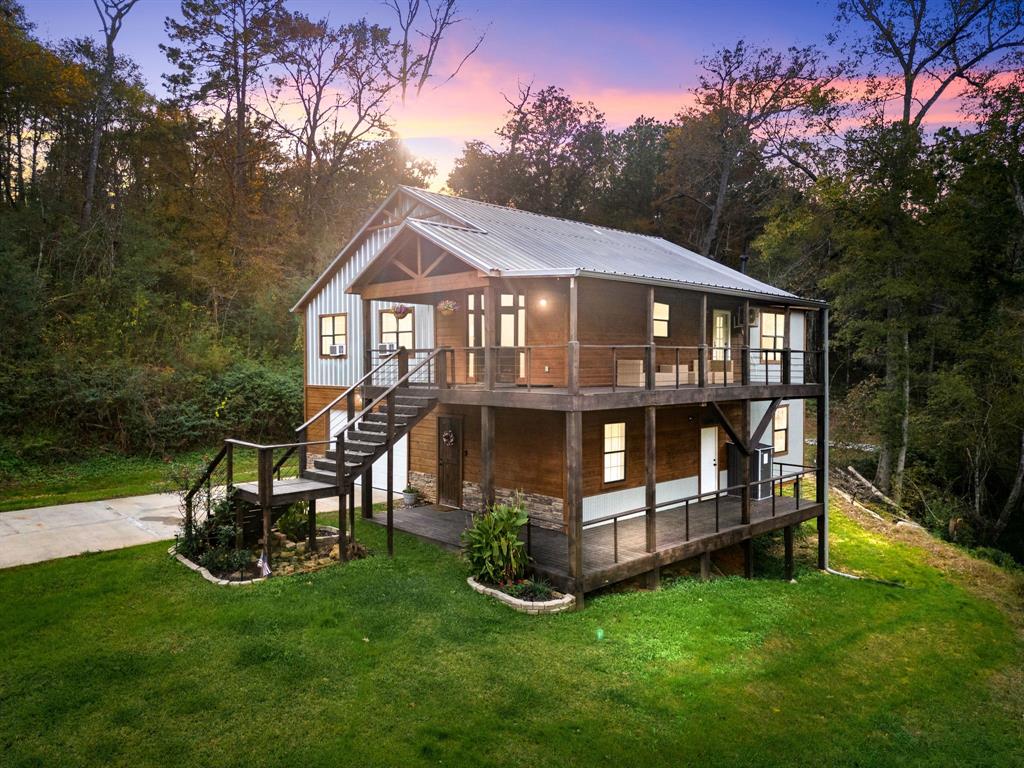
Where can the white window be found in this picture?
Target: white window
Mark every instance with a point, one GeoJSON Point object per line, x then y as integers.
{"type": "Point", "coordinates": [397, 330]}
{"type": "Point", "coordinates": [333, 331]}
{"type": "Point", "coordinates": [780, 430]}
{"type": "Point", "coordinates": [660, 320]}
{"type": "Point", "coordinates": [773, 335]}
{"type": "Point", "coordinates": [615, 452]}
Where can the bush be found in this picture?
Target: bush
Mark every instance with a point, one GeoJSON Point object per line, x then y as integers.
{"type": "Point", "coordinates": [529, 589]}
{"type": "Point", "coordinates": [492, 546]}
{"type": "Point", "coordinates": [295, 522]}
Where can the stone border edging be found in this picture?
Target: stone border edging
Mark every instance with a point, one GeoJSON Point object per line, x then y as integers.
{"type": "Point", "coordinates": [209, 576]}
{"type": "Point", "coordinates": [532, 607]}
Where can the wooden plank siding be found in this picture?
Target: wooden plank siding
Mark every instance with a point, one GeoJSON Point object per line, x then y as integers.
{"type": "Point", "coordinates": [316, 398]}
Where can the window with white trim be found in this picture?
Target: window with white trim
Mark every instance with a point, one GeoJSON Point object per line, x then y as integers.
{"type": "Point", "coordinates": [660, 319]}
{"type": "Point", "coordinates": [615, 452]}
{"type": "Point", "coordinates": [773, 335]}
{"type": "Point", "coordinates": [780, 430]}
{"type": "Point", "coordinates": [333, 331]}
{"type": "Point", "coordinates": [398, 330]}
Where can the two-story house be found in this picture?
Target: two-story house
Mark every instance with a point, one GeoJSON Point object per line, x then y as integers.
{"type": "Point", "coordinates": [650, 404]}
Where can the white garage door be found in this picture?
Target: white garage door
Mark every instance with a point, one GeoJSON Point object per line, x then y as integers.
{"type": "Point", "coordinates": [400, 474]}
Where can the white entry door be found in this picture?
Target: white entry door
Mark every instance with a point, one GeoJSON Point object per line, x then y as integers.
{"type": "Point", "coordinates": [400, 471]}
{"type": "Point", "coordinates": [708, 459]}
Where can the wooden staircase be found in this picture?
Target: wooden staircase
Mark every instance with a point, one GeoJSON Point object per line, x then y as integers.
{"type": "Point", "coordinates": [366, 440]}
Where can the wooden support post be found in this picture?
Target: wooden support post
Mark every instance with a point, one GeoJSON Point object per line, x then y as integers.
{"type": "Point", "coordinates": [705, 566]}
{"type": "Point", "coordinates": [229, 491]}
{"type": "Point", "coordinates": [573, 361]}
{"type": "Point", "coordinates": [787, 535]}
{"type": "Point", "coordinates": [822, 447]}
{"type": "Point", "coordinates": [650, 487]}
{"type": "Point", "coordinates": [391, 473]}
{"type": "Point", "coordinates": [487, 456]}
{"type": "Point", "coordinates": [265, 486]}
{"type": "Point", "coordinates": [367, 331]}
{"type": "Point", "coordinates": [746, 458]}
{"type": "Point", "coordinates": [367, 503]}
{"type": "Point", "coordinates": [748, 558]}
{"type": "Point", "coordinates": [787, 355]}
{"type": "Point", "coordinates": [745, 347]}
{"type": "Point", "coordinates": [339, 478]}
{"type": "Point", "coordinates": [352, 508]}
{"type": "Point", "coordinates": [574, 499]}
{"type": "Point", "coordinates": [490, 334]}
{"type": "Point", "coordinates": [650, 354]}
{"type": "Point", "coordinates": [702, 352]}
{"type": "Point", "coordinates": [311, 532]}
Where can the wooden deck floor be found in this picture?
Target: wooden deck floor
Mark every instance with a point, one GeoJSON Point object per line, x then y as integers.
{"type": "Point", "coordinates": [614, 553]}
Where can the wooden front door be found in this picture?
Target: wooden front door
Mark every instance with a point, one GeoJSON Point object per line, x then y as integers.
{"type": "Point", "coordinates": [449, 461]}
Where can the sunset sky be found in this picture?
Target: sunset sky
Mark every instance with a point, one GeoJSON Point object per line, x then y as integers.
{"type": "Point", "coordinates": [629, 58]}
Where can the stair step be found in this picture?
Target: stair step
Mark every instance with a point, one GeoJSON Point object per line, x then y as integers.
{"type": "Point", "coordinates": [353, 448]}
{"type": "Point", "coordinates": [381, 418]}
{"type": "Point", "coordinates": [362, 437]}
{"type": "Point", "coordinates": [321, 476]}
{"type": "Point", "coordinates": [401, 410]}
{"type": "Point", "coordinates": [382, 426]}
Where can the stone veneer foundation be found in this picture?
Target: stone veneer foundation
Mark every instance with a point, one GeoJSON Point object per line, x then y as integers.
{"type": "Point", "coordinates": [544, 511]}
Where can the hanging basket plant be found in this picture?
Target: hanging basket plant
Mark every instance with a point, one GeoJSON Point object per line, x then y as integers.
{"type": "Point", "coordinates": [447, 307]}
{"type": "Point", "coordinates": [400, 310]}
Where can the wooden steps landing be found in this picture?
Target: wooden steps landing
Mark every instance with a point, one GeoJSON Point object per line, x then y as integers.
{"type": "Point", "coordinates": [288, 491]}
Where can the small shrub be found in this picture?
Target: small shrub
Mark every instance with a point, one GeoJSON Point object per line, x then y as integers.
{"type": "Point", "coordinates": [295, 522]}
{"type": "Point", "coordinates": [529, 589]}
{"type": "Point", "coordinates": [492, 546]}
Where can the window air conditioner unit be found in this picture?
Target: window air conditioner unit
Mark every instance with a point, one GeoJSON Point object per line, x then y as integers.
{"type": "Point", "coordinates": [386, 347]}
{"type": "Point", "coordinates": [337, 350]}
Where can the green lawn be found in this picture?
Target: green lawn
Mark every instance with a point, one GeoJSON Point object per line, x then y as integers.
{"type": "Point", "coordinates": [104, 476]}
{"type": "Point", "coordinates": [126, 658]}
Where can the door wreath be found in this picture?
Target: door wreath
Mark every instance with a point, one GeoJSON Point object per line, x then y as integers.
{"type": "Point", "coordinates": [448, 438]}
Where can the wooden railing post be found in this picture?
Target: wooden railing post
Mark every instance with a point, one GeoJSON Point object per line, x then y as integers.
{"type": "Point", "coordinates": [441, 370]}
{"type": "Point", "coordinates": [391, 472]}
{"type": "Point", "coordinates": [702, 366]}
{"type": "Point", "coordinates": [403, 362]}
{"type": "Point", "coordinates": [787, 366]}
{"type": "Point", "coordinates": [303, 449]}
{"type": "Point", "coordinates": [573, 372]}
{"type": "Point", "coordinates": [265, 486]}
{"type": "Point", "coordinates": [649, 358]}
{"type": "Point", "coordinates": [745, 366]}
{"type": "Point", "coordinates": [339, 477]}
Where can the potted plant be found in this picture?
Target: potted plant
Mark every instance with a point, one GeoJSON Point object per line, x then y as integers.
{"type": "Point", "coordinates": [400, 310]}
{"type": "Point", "coordinates": [410, 495]}
{"type": "Point", "coordinates": [447, 307]}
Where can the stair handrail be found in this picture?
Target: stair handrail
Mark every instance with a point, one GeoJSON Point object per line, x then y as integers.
{"type": "Point", "coordinates": [375, 401]}
{"type": "Point", "coordinates": [350, 390]}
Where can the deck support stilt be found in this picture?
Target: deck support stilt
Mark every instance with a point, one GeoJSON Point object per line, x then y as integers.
{"type": "Point", "coordinates": [822, 542]}
{"type": "Point", "coordinates": [367, 505]}
{"type": "Point", "coordinates": [822, 447]}
{"type": "Point", "coordinates": [311, 532]}
{"type": "Point", "coordinates": [342, 534]}
{"type": "Point", "coordinates": [391, 474]}
{"type": "Point", "coordinates": [748, 558]}
{"type": "Point", "coordinates": [487, 456]}
{"type": "Point", "coordinates": [266, 534]}
{"type": "Point", "coordinates": [352, 510]}
{"type": "Point", "coordinates": [574, 500]}
{"type": "Point", "coordinates": [650, 483]}
{"type": "Point", "coordinates": [705, 566]}
{"type": "Point", "coordinates": [787, 535]}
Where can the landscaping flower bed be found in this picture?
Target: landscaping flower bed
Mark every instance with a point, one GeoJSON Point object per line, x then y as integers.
{"type": "Point", "coordinates": [555, 603]}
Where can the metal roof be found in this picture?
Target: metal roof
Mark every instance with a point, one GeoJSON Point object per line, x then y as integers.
{"type": "Point", "coordinates": [518, 243]}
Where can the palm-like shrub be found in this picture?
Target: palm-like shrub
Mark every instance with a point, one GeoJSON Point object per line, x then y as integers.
{"type": "Point", "coordinates": [492, 546]}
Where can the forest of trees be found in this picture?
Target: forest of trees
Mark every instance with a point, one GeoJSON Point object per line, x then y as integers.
{"type": "Point", "coordinates": [150, 247]}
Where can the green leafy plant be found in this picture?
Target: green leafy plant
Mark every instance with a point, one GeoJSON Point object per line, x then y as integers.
{"type": "Point", "coordinates": [492, 546]}
{"type": "Point", "coordinates": [295, 522]}
{"type": "Point", "coordinates": [530, 589]}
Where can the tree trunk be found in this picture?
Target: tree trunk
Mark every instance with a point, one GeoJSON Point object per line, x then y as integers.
{"type": "Point", "coordinates": [1013, 500]}
{"type": "Point", "coordinates": [904, 439]}
{"type": "Point", "coordinates": [716, 212]}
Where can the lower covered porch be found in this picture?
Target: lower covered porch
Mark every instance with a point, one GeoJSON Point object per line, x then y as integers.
{"type": "Point", "coordinates": [616, 549]}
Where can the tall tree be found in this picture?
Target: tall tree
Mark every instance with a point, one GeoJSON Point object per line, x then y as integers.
{"type": "Point", "coordinates": [913, 52]}
{"type": "Point", "coordinates": [112, 14]}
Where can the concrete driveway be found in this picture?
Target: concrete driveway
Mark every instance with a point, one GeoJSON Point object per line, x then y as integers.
{"type": "Point", "coordinates": [46, 533]}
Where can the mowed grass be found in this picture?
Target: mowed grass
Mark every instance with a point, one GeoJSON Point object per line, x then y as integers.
{"type": "Point", "coordinates": [104, 476]}
{"type": "Point", "coordinates": [125, 658]}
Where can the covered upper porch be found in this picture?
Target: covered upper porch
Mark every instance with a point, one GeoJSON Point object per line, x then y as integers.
{"type": "Point", "coordinates": [584, 333]}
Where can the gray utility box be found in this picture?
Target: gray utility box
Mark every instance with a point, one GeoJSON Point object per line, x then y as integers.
{"type": "Point", "coordinates": [761, 458]}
